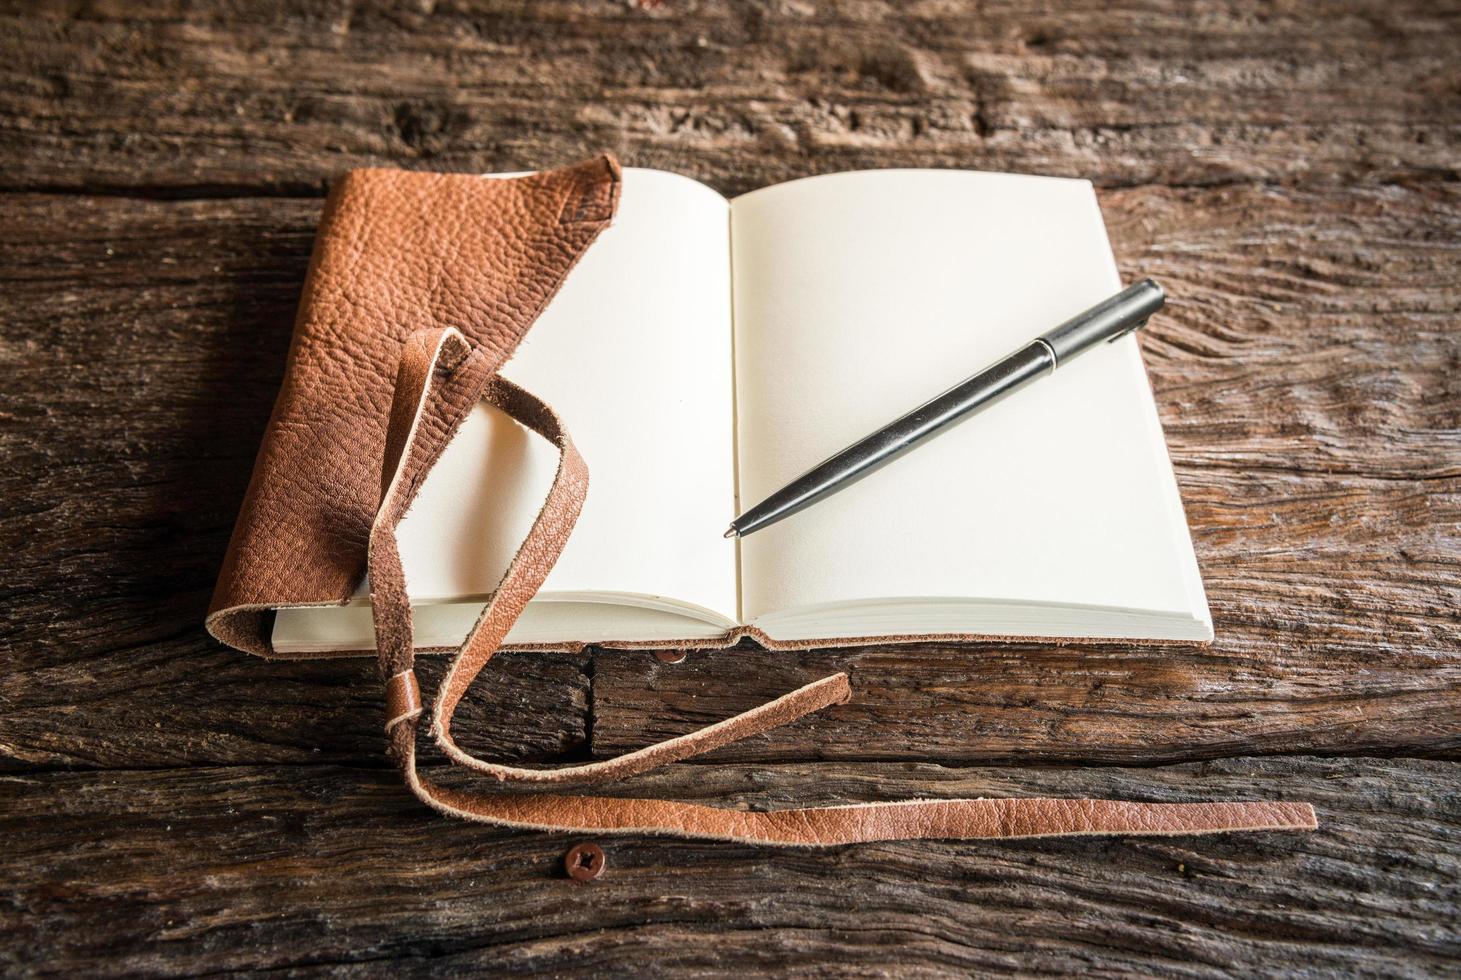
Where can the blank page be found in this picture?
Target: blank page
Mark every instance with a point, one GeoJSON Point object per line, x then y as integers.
{"type": "Point", "coordinates": [634, 354]}
{"type": "Point", "coordinates": [857, 297]}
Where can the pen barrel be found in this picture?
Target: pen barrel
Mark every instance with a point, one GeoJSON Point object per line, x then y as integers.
{"type": "Point", "coordinates": [906, 433]}
{"type": "Point", "coordinates": [1105, 321]}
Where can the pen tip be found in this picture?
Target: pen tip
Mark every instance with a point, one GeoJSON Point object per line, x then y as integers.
{"type": "Point", "coordinates": [730, 532]}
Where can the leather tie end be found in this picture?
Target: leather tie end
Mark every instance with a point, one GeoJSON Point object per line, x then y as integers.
{"type": "Point", "coordinates": [843, 687]}
{"type": "Point", "coordinates": [403, 699]}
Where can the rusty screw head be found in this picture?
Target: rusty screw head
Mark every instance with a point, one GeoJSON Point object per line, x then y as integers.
{"type": "Point", "coordinates": [669, 656]}
{"type": "Point", "coordinates": [584, 862]}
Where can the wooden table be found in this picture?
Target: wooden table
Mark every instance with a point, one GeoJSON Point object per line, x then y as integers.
{"type": "Point", "coordinates": [1291, 172]}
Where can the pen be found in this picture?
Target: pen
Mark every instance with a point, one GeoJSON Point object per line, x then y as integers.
{"type": "Point", "coordinates": [1106, 321]}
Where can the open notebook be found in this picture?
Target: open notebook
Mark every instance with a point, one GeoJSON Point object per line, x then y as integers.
{"type": "Point", "coordinates": [707, 351]}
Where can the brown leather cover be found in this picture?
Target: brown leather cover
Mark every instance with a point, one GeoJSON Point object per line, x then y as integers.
{"type": "Point", "coordinates": [420, 288]}
{"type": "Point", "coordinates": [396, 253]}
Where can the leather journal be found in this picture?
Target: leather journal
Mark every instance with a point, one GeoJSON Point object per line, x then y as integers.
{"type": "Point", "coordinates": [420, 289]}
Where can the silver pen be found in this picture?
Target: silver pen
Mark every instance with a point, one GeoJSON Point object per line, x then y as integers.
{"type": "Point", "coordinates": [1106, 321]}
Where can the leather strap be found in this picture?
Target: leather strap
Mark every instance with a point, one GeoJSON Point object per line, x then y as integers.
{"type": "Point", "coordinates": [439, 381]}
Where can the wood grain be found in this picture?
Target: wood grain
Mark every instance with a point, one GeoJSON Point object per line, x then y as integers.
{"type": "Point", "coordinates": [324, 868]}
{"type": "Point", "coordinates": [1288, 170]}
{"type": "Point", "coordinates": [279, 97]}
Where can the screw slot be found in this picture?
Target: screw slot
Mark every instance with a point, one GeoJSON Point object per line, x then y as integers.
{"type": "Point", "coordinates": [584, 862]}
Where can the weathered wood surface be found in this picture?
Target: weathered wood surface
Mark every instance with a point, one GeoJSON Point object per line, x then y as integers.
{"type": "Point", "coordinates": [175, 97]}
{"type": "Point", "coordinates": [240, 868]}
{"type": "Point", "coordinates": [1289, 171]}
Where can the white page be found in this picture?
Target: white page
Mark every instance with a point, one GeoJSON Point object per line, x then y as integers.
{"type": "Point", "coordinates": [634, 353]}
{"type": "Point", "coordinates": [857, 297]}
